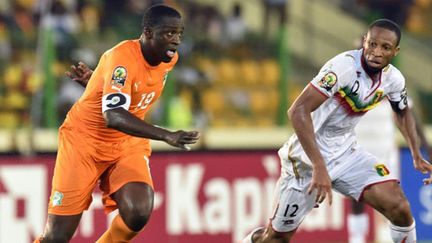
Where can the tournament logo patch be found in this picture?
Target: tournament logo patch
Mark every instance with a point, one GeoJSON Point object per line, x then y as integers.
{"type": "Point", "coordinates": [119, 76]}
{"type": "Point", "coordinates": [328, 81]}
{"type": "Point", "coordinates": [57, 198]}
{"type": "Point", "coordinates": [382, 170]}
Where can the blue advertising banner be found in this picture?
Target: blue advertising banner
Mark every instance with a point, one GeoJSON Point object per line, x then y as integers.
{"type": "Point", "coordinates": [419, 196]}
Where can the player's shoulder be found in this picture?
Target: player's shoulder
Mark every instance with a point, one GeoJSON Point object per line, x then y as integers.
{"type": "Point", "coordinates": [125, 48]}
{"type": "Point", "coordinates": [343, 63]}
{"type": "Point", "coordinates": [393, 73]}
{"type": "Point", "coordinates": [346, 58]}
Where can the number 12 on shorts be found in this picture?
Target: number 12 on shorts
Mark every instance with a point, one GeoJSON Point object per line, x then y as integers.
{"type": "Point", "coordinates": [292, 212]}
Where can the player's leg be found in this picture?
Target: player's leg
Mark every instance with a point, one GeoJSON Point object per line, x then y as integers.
{"type": "Point", "coordinates": [75, 177]}
{"type": "Point", "coordinates": [293, 204]}
{"type": "Point", "coordinates": [128, 186]}
{"type": "Point", "coordinates": [363, 178]}
{"type": "Point", "coordinates": [358, 223]}
{"type": "Point", "coordinates": [269, 235]}
{"type": "Point", "coordinates": [388, 199]}
{"type": "Point", "coordinates": [135, 203]}
{"type": "Point", "coordinates": [59, 228]}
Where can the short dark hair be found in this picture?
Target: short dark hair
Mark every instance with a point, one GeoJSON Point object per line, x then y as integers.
{"type": "Point", "coordinates": [388, 24]}
{"type": "Point", "coordinates": [155, 14]}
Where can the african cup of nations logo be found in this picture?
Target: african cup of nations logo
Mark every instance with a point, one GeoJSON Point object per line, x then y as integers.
{"type": "Point", "coordinates": [328, 81]}
{"type": "Point", "coordinates": [382, 170]}
{"type": "Point", "coordinates": [119, 76]}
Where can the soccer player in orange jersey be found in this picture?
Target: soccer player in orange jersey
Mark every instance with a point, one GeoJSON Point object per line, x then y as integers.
{"type": "Point", "coordinates": [105, 139]}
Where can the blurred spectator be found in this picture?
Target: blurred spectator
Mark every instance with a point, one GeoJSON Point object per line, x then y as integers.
{"type": "Point", "coordinates": [22, 28]}
{"type": "Point", "coordinates": [396, 10]}
{"type": "Point", "coordinates": [5, 44]}
{"type": "Point", "coordinates": [65, 25]}
{"type": "Point", "coordinates": [277, 8]}
{"type": "Point", "coordinates": [235, 26]}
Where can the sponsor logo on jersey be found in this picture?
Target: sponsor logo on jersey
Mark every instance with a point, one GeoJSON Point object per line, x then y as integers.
{"type": "Point", "coordinates": [382, 170]}
{"type": "Point", "coordinates": [328, 81]}
{"type": "Point", "coordinates": [57, 198]}
{"type": "Point", "coordinates": [119, 76]}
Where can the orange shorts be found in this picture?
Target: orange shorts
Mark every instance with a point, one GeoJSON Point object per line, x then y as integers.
{"type": "Point", "coordinates": [82, 162]}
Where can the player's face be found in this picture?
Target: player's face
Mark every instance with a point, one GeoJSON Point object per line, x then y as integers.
{"type": "Point", "coordinates": [380, 46]}
{"type": "Point", "coordinates": [166, 38]}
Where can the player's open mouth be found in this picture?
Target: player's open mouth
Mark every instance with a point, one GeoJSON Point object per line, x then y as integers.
{"type": "Point", "coordinates": [374, 63]}
{"type": "Point", "coordinates": [171, 53]}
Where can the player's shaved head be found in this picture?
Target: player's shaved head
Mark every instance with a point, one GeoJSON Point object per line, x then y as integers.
{"type": "Point", "coordinates": [157, 13]}
{"type": "Point", "coordinates": [389, 25]}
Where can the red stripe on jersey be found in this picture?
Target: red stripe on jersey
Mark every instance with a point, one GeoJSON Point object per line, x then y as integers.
{"type": "Point", "coordinates": [347, 106]}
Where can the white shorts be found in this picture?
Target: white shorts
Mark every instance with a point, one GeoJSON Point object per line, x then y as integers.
{"type": "Point", "coordinates": [351, 173]}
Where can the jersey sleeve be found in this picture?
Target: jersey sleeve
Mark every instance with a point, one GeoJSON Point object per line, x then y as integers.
{"type": "Point", "coordinates": [334, 75]}
{"type": "Point", "coordinates": [118, 78]}
{"type": "Point", "coordinates": [397, 95]}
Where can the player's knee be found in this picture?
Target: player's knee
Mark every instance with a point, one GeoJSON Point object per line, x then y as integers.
{"type": "Point", "coordinates": [138, 216]}
{"type": "Point", "coordinates": [56, 237]}
{"type": "Point", "coordinates": [400, 213]}
{"type": "Point", "coordinates": [273, 236]}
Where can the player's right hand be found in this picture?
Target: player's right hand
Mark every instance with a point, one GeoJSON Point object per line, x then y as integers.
{"type": "Point", "coordinates": [321, 182]}
{"type": "Point", "coordinates": [424, 167]}
{"type": "Point", "coordinates": [80, 74]}
{"type": "Point", "coordinates": [182, 139]}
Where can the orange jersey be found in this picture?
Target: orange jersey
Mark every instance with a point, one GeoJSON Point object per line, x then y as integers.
{"type": "Point", "coordinates": [123, 78]}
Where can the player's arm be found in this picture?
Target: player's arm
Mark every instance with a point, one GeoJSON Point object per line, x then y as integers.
{"type": "Point", "coordinates": [80, 73]}
{"type": "Point", "coordinates": [124, 121]}
{"type": "Point", "coordinates": [300, 116]}
{"type": "Point", "coordinates": [420, 132]}
{"type": "Point", "coordinates": [406, 123]}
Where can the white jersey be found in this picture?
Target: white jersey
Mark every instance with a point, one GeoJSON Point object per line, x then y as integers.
{"type": "Point", "coordinates": [351, 94]}
{"type": "Point", "coordinates": [376, 132]}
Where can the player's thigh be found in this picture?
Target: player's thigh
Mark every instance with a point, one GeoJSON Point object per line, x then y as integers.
{"type": "Point", "coordinates": [293, 203]}
{"type": "Point", "coordinates": [361, 171]}
{"type": "Point", "coordinates": [384, 196]}
{"type": "Point", "coordinates": [75, 176]}
{"type": "Point", "coordinates": [129, 169]}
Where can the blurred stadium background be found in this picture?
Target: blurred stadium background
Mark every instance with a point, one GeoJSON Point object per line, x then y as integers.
{"type": "Point", "coordinates": [242, 63]}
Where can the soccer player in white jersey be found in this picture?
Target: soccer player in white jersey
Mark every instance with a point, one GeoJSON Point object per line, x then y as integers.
{"type": "Point", "coordinates": [323, 154]}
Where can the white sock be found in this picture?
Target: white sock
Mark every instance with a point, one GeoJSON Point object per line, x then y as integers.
{"type": "Point", "coordinates": [358, 227]}
{"type": "Point", "coordinates": [248, 238]}
{"type": "Point", "coordinates": [403, 234]}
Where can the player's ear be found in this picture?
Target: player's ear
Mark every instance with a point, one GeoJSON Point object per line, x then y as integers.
{"type": "Point", "coordinates": [147, 32]}
{"type": "Point", "coordinates": [397, 50]}
{"type": "Point", "coordinates": [364, 41]}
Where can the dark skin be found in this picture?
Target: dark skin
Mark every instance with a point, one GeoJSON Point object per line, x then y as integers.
{"type": "Point", "coordinates": [134, 200]}
{"type": "Point", "coordinates": [380, 46]}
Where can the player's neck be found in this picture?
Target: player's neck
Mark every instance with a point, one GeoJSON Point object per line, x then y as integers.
{"type": "Point", "coordinates": [147, 53]}
{"type": "Point", "coordinates": [372, 72]}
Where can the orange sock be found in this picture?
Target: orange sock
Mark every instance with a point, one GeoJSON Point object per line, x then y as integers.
{"type": "Point", "coordinates": [118, 232]}
{"type": "Point", "coordinates": [36, 240]}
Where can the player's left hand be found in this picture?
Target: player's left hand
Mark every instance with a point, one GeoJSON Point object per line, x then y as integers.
{"type": "Point", "coordinates": [80, 73]}
{"type": "Point", "coordinates": [182, 139]}
{"type": "Point", "coordinates": [424, 167]}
